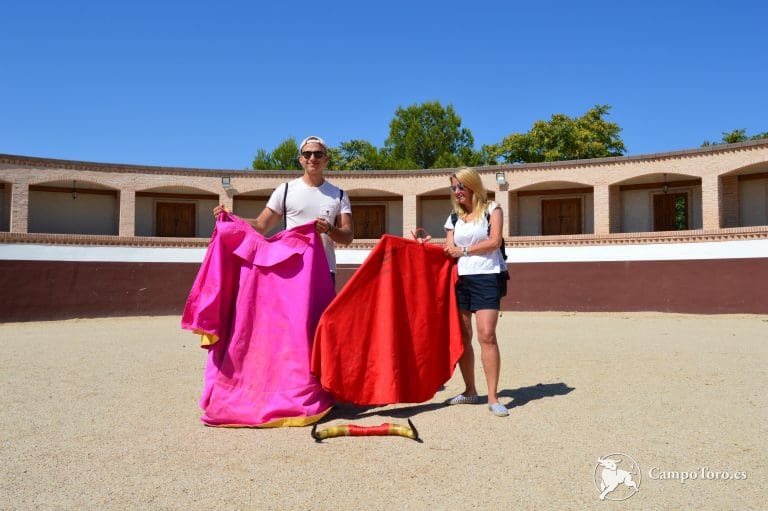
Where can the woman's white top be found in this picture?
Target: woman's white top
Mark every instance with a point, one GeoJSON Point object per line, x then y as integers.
{"type": "Point", "coordinates": [469, 233]}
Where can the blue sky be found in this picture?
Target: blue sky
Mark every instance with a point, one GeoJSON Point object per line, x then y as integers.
{"type": "Point", "coordinates": [205, 84]}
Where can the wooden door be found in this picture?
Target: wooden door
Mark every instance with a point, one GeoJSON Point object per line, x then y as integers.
{"type": "Point", "coordinates": [561, 216]}
{"type": "Point", "coordinates": [670, 212]}
{"type": "Point", "coordinates": [369, 221]}
{"type": "Point", "coordinates": [175, 219]}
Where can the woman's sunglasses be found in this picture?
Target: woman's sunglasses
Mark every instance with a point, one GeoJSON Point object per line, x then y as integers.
{"type": "Point", "coordinates": [317, 154]}
{"type": "Point", "coordinates": [457, 187]}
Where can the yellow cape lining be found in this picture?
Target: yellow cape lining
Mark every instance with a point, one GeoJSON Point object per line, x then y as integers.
{"type": "Point", "coordinates": [207, 339]}
{"type": "Point", "coordinates": [287, 422]}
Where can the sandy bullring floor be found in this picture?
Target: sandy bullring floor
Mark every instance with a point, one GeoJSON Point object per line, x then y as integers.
{"type": "Point", "coordinates": [102, 414]}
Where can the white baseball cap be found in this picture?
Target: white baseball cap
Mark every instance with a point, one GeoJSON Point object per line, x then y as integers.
{"type": "Point", "coordinates": [312, 139]}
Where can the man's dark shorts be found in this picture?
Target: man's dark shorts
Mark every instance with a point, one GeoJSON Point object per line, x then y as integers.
{"type": "Point", "coordinates": [478, 292]}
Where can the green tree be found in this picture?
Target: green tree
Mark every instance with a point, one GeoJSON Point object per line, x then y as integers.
{"type": "Point", "coordinates": [262, 160]}
{"type": "Point", "coordinates": [284, 157]}
{"type": "Point", "coordinates": [681, 221]}
{"type": "Point", "coordinates": [737, 135]}
{"type": "Point", "coordinates": [466, 157]}
{"type": "Point", "coordinates": [334, 158]}
{"type": "Point", "coordinates": [561, 138]}
{"type": "Point", "coordinates": [357, 155]}
{"type": "Point", "coordinates": [427, 136]}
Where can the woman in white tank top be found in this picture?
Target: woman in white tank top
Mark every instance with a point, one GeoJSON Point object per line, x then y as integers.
{"type": "Point", "coordinates": [474, 238]}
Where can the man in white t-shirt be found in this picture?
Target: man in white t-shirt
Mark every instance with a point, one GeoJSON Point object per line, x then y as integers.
{"type": "Point", "coordinates": [310, 197]}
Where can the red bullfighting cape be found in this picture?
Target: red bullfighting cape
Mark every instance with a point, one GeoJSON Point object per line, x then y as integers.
{"type": "Point", "coordinates": [392, 335]}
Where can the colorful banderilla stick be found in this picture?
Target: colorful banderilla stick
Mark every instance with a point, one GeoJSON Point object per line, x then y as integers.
{"type": "Point", "coordinates": [385, 429]}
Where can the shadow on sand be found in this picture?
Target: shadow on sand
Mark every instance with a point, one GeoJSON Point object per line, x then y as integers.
{"type": "Point", "coordinates": [525, 395]}
{"type": "Point", "coordinates": [520, 397]}
{"type": "Point", "coordinates": [348, 411]}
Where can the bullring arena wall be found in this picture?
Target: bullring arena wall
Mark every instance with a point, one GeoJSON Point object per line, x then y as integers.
{"type": "Point", "coordinates": [80, 239]}
{"type": "Point", "coordinates": [54, 282]}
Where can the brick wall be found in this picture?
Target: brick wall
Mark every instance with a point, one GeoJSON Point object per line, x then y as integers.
{"type": "Point", "coordinates": [716, 168]}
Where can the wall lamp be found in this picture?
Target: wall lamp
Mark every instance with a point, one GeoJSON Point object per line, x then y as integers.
{"type": "Point", "coordinates": [226, 182]}
{"type": "Point", "coordinates": [74, 189]}
{"type": "Point", "coordinates": [501, 180]}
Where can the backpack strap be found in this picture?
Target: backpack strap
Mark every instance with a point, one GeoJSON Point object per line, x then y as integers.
{"type": "Point", "coordinates": [488, 218]}
{"type": "Point", "coordinates": [337, 222]}
{"type": "Point", "coordinates": [503, 245]}
{"type": "Point", "coordinates": [455, 218]}
{"type": "Point", "coordinates": [285, 208]}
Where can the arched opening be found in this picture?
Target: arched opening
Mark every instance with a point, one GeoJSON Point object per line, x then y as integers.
{"type": "Point", "coordinates": [744, 195]}
{"type": "Point", "coordinates": [660, 202]}
{"type": "Point", "coordinates": [175, 212]}
{"type": "Point", "coordinates": [376, 212]}
{"type": "Point", "coordinates": [552, 208]}
{"type": "Point", "coordinates": [73, 207]}
{"type": "Point", "coordinates": [5, 206]}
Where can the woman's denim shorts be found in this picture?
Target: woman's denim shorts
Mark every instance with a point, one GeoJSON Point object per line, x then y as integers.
{"type": "Point", "coordinates": [478, 292]}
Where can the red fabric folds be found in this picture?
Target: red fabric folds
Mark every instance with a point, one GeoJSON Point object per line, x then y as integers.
{"type": "Point", "coordinates": [392, 335]}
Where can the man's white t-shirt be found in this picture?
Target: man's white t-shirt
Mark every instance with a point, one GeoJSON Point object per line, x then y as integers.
{"type": "Point", "coordinates": [469, 233]}
{"type": "Point", "coordinates": [305, 203]}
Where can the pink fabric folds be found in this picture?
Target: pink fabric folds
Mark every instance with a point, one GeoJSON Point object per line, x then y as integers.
{"type": "Point", "coordinates": [262, 298]}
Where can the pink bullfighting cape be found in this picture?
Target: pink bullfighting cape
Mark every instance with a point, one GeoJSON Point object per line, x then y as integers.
{"type": "Point", "coordinates": [392, 335]}
{"type": "Point", "coordinates": [257, 301]}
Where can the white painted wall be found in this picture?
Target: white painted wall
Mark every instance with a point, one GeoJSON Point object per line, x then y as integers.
{"type": "Point", "coordinates": [205, 219]}
{"type": "Point", "coordinates": [733, 249]}
{"type": "Point", "coordinates": [529, 215]}
{"type": "Point", "coordinates": [145, 216]}
{"type": "Point", "coordinates": [636, 211]}
{"type": "Point", "coordinates": [588, 213]}
{"type": "Point", "coordinates": [434, 213]}
{"type": "Point", "coordinates": [252, 209]}
{"type": "Point", "coordinates": [249, 208]}
{"type": "Point", "coordinates": [394, 218]}
{"type": "Point", "coordinates": [753, 202]}
{"type": "Point", "coordinates": [58, 212]}
{"type": "Point", "coordinates": [694, 208]}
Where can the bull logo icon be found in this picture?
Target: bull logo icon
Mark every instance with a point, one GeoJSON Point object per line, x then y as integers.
{"type": "Point", "coordinates": [616, 483]}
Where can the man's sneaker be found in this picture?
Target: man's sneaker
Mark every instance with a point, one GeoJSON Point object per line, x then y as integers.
{"type": "Point", "coordinates": [461, 399]}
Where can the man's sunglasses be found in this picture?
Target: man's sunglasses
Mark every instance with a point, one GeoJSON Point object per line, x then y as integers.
{"type": "Point", "coordinates": [455, 188]}
{"type": "Point", "coordinates": [308, 154]}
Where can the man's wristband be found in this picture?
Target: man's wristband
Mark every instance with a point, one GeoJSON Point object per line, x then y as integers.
{"type": "Point", "coordinates": [465, 251]}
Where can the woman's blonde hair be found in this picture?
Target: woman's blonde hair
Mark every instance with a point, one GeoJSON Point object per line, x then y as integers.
{"type": "Point", "coordinates": [471, 179]}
